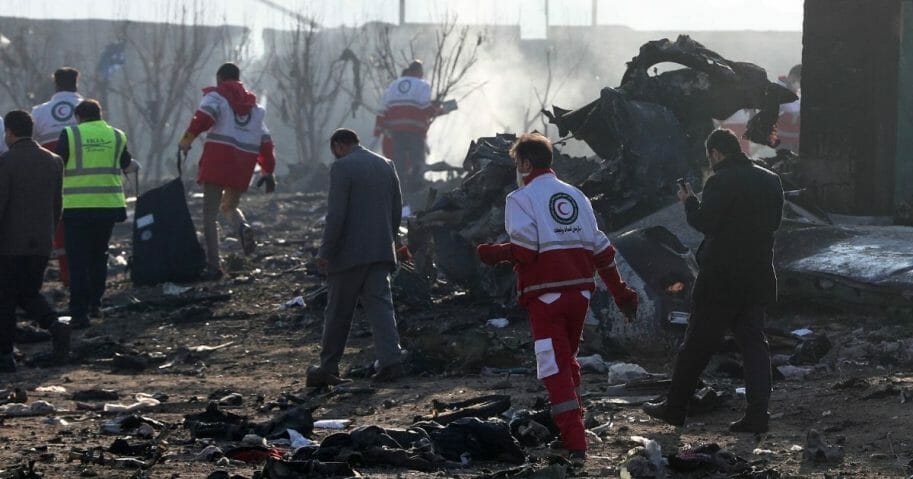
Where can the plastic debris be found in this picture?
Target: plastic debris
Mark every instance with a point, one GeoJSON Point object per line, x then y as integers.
{"type": "Point", "coordinates": [801, 333]}
{"type": "Point", "coordinates": [332, 423]}
{"type": "Point", "coordinates": [51, 389]}
{"type": "Point", "coordinates": [172, 289]}
{"type": "Point", "coordinates": [593, 363]}
{"type": "Point", "coordinates": [209, 454]}
{"type": "Point", "coordinates": [296, 302]}
{"type": "Point", "coordinates": [143, 401]}
{"type": "Point", "coordinates": [620, 373]}
{"type": "Point", "coordinates": [498, 322]}
{"type": "Point", "coordinates": [298, 440]}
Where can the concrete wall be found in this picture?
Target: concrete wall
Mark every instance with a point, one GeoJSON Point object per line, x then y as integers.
{"type": "Point", "coordinates": [849, 103]}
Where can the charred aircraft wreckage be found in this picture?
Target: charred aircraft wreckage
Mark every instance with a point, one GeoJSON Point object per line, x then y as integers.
{"type": "Point", "coordinates": [648, 132]}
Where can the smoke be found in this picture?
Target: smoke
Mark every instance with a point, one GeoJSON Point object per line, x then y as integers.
{"type": "Point", "coordinates": [515, 76]}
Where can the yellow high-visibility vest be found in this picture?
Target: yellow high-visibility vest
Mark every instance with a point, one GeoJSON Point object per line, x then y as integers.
{"type": "Point", "coordinates": [92, 177]}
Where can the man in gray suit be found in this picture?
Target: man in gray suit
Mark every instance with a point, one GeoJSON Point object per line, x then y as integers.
{"type": "Point", "coordinates": [357, 254]}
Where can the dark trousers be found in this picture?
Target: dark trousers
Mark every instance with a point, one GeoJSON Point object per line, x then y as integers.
{"type": "Point", "coordinates": [20, 285]}
{"type": "Point", "coordinates": [369, 285]}
{"type": "Point", "coordinates": [87, 250]}
{"type": "Point", "coordinates": [409, 158]}
{"type": "Point", "coordinates": [706, 327]}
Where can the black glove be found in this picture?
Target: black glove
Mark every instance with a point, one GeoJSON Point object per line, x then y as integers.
{"type": "Point", "coordinates": [270, 182]}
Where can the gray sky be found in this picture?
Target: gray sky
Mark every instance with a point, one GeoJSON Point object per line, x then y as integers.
{"type": "Point", "coordinates": [782, 15]}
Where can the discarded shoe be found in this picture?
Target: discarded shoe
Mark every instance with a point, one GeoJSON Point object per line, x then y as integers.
{"type": "Point", "coordinates": [662, 411]}
{"type": "Point", "coordinates": [318, 378]}
{"type": "Point", "coordinates": [60, 340]}
{"type": "Point", "coordinates": [389, 374]}
{"type": "Point", "coordinates": [7, 363]}
{"type": "Point", "coordinates": [753, 424]}
{"type": "Point", "coordinates": [246, 235]}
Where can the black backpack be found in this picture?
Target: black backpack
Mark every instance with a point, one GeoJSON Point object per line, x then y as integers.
{"type": "Point", "coordinates": [165, 245]}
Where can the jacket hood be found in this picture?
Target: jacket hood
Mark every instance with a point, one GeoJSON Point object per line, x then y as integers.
{"type": "Point", "coordinates": [241, 100]}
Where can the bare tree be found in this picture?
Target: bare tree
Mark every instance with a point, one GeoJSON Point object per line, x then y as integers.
{"type": "Point", "coordinates": [159, 86]}
{"type": "Point", "coordinates": [545, 92]}
{"type": "Point", "coordinates": [310, 69]}
{"type": "Point", "coordinates": [453, 50]}
{"type": "Point", "coordinates": [26, 60]}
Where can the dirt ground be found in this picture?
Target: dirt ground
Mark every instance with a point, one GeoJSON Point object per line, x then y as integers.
{"type": "Point", "coordinates": [271, 348]}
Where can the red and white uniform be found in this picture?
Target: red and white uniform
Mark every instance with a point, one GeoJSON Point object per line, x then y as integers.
{"type": "Point", "coordinates": [407, 107]}
{"type": "Point", "coordinates": [52, 116]}
{"type": "Point", "coordinates": [557, 248]}
{"type": "Point", "coordinates": [237, 138]}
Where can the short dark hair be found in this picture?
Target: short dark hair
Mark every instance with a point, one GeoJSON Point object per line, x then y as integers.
{"type": "Point", "coordinates": [724, 141]}
{"type": "Point", "coordinates": [19, 123]}
{"type": "Point", "coordinates": [66, 79]}
{"type": "Point", "coordinates": [533, 147]}
{"type": "Point", "coordinates": [344, 136]}
{"type": "Point", "coordinates": [229, 71]}
{"type": "Point", "coordinates": [415, 67]}
{"type": "Point", "coordinates": [88, 110]}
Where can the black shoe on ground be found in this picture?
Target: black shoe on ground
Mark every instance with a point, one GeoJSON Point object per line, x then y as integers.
{"type": "Point", "coordinates": [7, 363]}
{"type": "Point", "coordinates": [248, 242]}
{"type": "Point", "coordinates": [80, 322]}
{"type": "Point", "coordinates": [662, 411]}
{"type": "Point", "coordinates": [318, 378]}
{"type": "Point", "coordinates": [577, 458]}
{"type": "Point", "coordinates": [389, 374]}
{"type": "Point", "coordinates": [60, 340]}
{"type": "Point", "coordinates": [213, 274]}
{"type": "Point", "coordinates": [753, 424]}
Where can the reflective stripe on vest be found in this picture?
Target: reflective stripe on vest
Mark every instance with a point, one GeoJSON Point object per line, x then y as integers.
{"type": "Point", "coordinates": [92, 177]}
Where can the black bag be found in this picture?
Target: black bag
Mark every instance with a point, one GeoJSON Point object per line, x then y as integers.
{"type": "Point", "coordinates": [165, 245]}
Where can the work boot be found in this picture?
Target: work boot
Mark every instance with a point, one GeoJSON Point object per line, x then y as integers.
{"type": "Point", "coordinates": [60, 340]}
{"type": "Point", "coordinates": [318, 378]}
{"type": "Point", "coordinates": [389, 374]}
{"type": "Point", "coordinates": [7, 363]}
{"type": "Point", "coordinates": [755, 423]}
{"type": "Point", "coordinates": [246, 235]}
{"type": "Point", "coordinates": [662, 411]}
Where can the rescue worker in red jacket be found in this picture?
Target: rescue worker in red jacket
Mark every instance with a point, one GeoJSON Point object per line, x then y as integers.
{"type": "Point", "coordinates": [51, 117]}
{"type": "Point", "coordinates": [405, 119]}
{"type": "Point", "coordinates": [236, 141]}
{"type": "Point", "coordinates": [556, 248]}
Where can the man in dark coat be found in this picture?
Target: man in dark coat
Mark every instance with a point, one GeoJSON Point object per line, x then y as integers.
{"type": "Point", "coordinates": [364, 209]}
{"type": "Point", "coordinates": [739, 212]}
{"type": "Point", "coordinates": [30, 205]}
